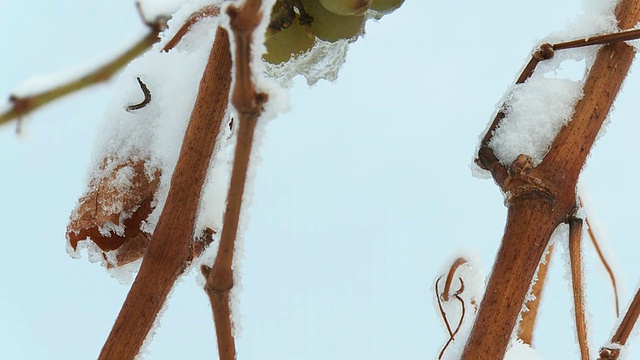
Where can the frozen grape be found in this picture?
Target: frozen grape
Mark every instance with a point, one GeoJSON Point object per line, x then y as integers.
{"type": "Point", "coordinates": [282, 45]}
{"type": "Point", "coordinates": [329, 26]}
{"type": "Point", "coordinates": [346, 7]}
{"type": "Point", "coordinates": [386, 5]}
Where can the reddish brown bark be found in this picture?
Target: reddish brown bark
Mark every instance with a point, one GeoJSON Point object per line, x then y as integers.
{"type": "Point", "coordinates": [541, 198]}
{"type": "Point", "coordinates": [620, 337]}
{"type": "Point", "coordinates": [514, 268]}
{"type": "Point", "coordinates": [575, 256]}
{"type": "Point", "coordinates": [528, 323]}
{"type": "Point", "coordinates": [249, 103]}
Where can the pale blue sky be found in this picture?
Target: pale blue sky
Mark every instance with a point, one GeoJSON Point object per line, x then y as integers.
{"type": "Point", "coordinates": [361, 194]}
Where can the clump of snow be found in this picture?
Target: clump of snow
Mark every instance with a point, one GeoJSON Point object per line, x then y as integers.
{"type": "Point", "coordinates": [535, 112]}
{"type": "Point", "coordinates": [155, 132]}
{"type": "Point", "coordinates": [598, 18]}
{"type": "Point", "coordinates": [537, 109]}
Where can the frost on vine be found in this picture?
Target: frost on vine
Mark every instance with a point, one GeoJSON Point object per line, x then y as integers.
{"type": "Point", "coordinates": [137, 149]}
{"type": "Point", "coordinates": [311, 37]}
{"type": "Point", "coordinates": [139, 141]}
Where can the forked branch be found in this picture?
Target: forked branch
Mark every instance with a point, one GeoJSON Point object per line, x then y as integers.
{"type": "Point", "coordinates": [542, 197]}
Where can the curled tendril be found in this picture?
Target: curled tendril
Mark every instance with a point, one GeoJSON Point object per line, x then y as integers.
{"type": "Point", "coordinates": [147, 97]}
{"type": "Point", "coordinates": [446, 297]}
{"type": "Point", "coordinates": [447, 285]}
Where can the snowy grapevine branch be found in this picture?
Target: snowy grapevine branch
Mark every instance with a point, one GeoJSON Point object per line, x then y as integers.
{"type": "Point", "coordinates": [539, 198]}
{"type": "Point", "coordinates": [249, 104]}
{"type": "Point", "coordinates": [169, 249]}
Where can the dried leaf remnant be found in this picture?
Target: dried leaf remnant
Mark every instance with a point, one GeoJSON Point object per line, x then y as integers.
{"type": "Point", "coordinates": [119, 198]}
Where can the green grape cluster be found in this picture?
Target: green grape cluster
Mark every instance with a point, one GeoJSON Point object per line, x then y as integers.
{"type": "Point", "coordinates": [296, 24]}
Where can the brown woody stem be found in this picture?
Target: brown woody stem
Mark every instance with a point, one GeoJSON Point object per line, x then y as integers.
{"type": "Point", "coordinates": [169, 251]}
{"type": "Point", "coordinates": [249, 104]}
{"type": "Point", "coordinates": [541, 198]}
{"type": "Point", "coordinates": [575, 256]}
{"type": "Point", "coordinates": [515, 266]}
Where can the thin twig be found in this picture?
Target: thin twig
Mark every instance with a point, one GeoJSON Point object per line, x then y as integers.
{"type": "Point", "coordinates": [606, 265]}
{"type": "Point", "coordinates": [23, 105]}
{"type": "Point", "coordinates": [249, 104]}
{"type": "Point", "coordinates": [604, 262]}
{"type": "Point", "coordinates": [625, 35]}
{"type": "Point", "coordinates": [452, 334]}
{"type": "Point", "coordinates": [575, 256]}
{"type": "Point", "coordinates": [443, 314]}
{"type": "Point", "coordinates": [623, 331]}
